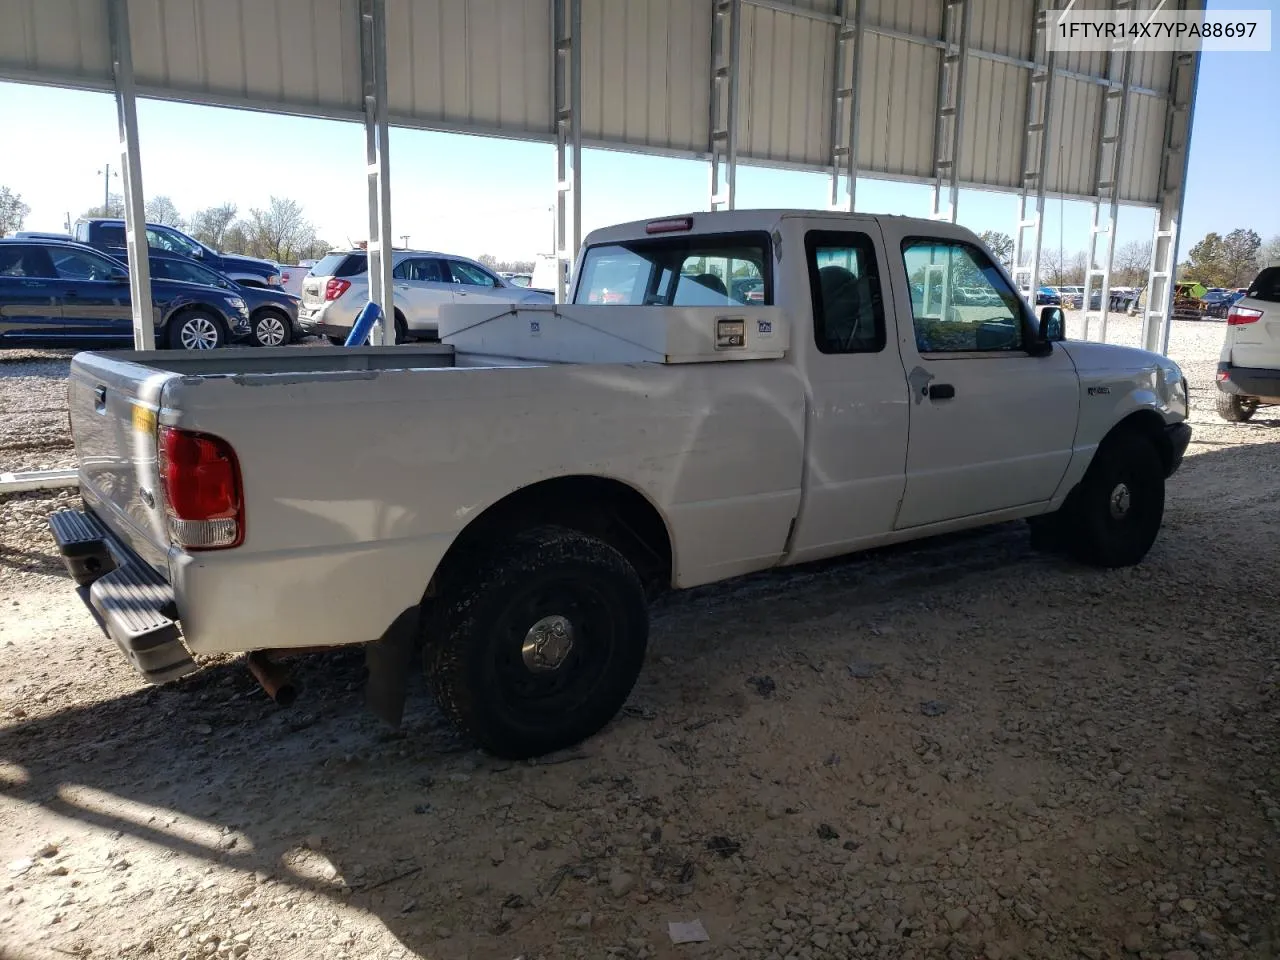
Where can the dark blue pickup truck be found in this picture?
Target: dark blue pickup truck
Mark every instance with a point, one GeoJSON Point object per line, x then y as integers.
{"type": "Point", "coordinates": [108, 236]}
{"type": "Point", "coordinates": [56, 290]}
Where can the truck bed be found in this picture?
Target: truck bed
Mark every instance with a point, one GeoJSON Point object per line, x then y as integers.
{"type": "Point", "coordinates": [248, 361]}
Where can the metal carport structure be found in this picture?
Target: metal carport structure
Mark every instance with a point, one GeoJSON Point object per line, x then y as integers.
{"type": "Point", "coordinates": [951, 93]}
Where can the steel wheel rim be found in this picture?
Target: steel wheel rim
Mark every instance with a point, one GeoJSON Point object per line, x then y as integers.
{"type": "Point", "coordinates": [270, 331]}
{"type": "Point", "coordinates": [199, 333]}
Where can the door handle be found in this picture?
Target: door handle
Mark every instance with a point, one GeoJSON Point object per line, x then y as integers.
{"type": "Point", "coordinates": [940, 391]}
{"type": "Point", "coordinates": [100, 400]}
{"type": "Point", "coordinates": [70, 294]}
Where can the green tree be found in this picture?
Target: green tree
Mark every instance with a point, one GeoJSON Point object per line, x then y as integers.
{"type": "Point", "coordinates": [13, 212]}
{"type": "Point", "coordinates": [1000, 245]}
{"type": "Point", "coordinates": [1269, 255]}
{"type": "Point", "coordinates": [1240, 250]}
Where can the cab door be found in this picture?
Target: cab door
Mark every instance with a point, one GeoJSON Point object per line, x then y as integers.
{"type": "Point", "coordinates": [95, 296]}
{"type": "Point", "coordinates": [28, 292]}
{"type": "Point", "coordinates": [992, 426]}
{"type": "Point", "coordinates": [422, 285]}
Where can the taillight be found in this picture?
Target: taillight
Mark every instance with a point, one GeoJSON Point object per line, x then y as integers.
{"type": "Point", "coordinates": [1241, 315]}
{"type": "Point", "coordinates": [201, 479]}
{"type": "Point", "coordinates": [336, 287]}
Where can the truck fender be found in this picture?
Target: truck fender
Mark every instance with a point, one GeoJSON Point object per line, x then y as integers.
{"type": "Point", "coordinates": [387, 661]}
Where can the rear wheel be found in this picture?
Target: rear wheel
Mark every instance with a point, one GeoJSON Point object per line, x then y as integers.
{"type": "Point", "coordinates": [271, 329]}
{"type": "Point", "coordinates": [1112, 518]}
{"type": "Point", "coordinates": [1234, 408]}
{"type": "Point", "coordinates": [539, 645]}
{"type": "Point", "coordinates": [196, 330]}
{"type": "Point", "coordinates": [402, 328]}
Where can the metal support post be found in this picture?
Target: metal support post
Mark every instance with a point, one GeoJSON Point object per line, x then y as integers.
{"type": "Point", "coordinates": [135, 217]}
{"type": "Point", "coordinates": [373, 72]}
{"type": "Point", "coordinates": [844, 105]}
{"type": "Point", "coordinates": [1112, 113]}
{"type": "Point", "coordinates": [726, 43]}
{"type": "Point", "coordinates": [567, 97]}
{"type": "Point", "coordinates": [1035, 158]}
{"type": "Point", "coordinates": [1173, 177]}
{"type": "Point", "coordinates": [948, 119]}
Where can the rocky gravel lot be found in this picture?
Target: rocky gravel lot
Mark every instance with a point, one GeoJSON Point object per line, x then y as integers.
{"type": "Point", "coordinates": [958, 749]}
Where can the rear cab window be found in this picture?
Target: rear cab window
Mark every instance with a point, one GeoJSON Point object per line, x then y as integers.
{"type": "Point", "coordinates": [1266, 286]}
{"type": "Point", "coordinates": [680, 271]}
{"type": "Point", "coordinates": [110, 234]}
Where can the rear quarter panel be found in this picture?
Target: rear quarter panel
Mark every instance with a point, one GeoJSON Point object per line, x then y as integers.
{"type": "Point", "coordinates": [357, 483]}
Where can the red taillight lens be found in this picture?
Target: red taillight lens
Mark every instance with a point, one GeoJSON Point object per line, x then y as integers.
{"type": "Point", "coordinates": [336, 287]}
{"type": "Point", "coordinates": [1241, 315]}
{"type": "Point", "coordinates": [201, 479]}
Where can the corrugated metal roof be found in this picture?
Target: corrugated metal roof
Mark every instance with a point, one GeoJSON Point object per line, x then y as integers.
{"type": "Point", "coordinates": [484, 66]}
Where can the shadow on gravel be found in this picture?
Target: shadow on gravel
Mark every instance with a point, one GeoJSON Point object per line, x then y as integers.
{"type": "Point", "coordinates": [210, 769]}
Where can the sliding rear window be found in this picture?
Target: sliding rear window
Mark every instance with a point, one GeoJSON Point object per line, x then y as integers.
{"type": "Point", "coordinates": [687, 271]}
{"type": "Point", "coordinates": [1266, 286]}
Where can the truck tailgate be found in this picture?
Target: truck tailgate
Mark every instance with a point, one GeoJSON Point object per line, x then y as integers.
{"type": "Point", "coordinates": [113, 406]}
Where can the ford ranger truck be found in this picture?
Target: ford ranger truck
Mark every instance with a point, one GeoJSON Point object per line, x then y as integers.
{"type": "Point", "coordinates": [726, 393]}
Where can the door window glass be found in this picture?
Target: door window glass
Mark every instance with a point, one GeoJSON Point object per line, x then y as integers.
{"type": "Point", "coordinates": [959, 301]}
{"type": "Point", "coordinates": [16, 261]}
{"type": "Point", "coordinates": [472, 276]}
{"type": "Point", "coordinates": [80, 265]}
{"type": "Point", "coordinates": [187, 272]}
{"type": "Point", "coordinates": [420, 269]}
{"type": "Point", "coordinates": [172, 242]}
{"type": "Point", "coordinates": [848, 314]}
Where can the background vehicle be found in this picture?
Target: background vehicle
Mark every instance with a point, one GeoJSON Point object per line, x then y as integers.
{"type": "Point", "coordinates": [1186, 300]}
{"type": "Point", "coordinates": [514, 509]}
{"type": "Point", "coordinates": [273, 314]}
{"type": "Point", "coordinates": [57, 290]}
{"type": "Point", "coordinates": [108, 236]}
{"type": "Point", "coordinates": [338, 286]}
{"type": "Point", "coordinates": [1048, 297]}
{"type": "Point", "coordinates": [1249, 366]}
{"type": "Point", "coordinates": [40, 235]}
{"type": "Point", "coordinates": [544, 274]}
{"type": "Point", "coordinates": [518, 279]}
{"type": "Point", "coordinates": [1072, 297]}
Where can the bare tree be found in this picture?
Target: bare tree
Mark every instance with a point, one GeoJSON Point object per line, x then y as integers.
{"type": "Point", "coordinates": [1269, 255]}
{"type": "Point", "coordinates": [210, 225]}
{"type": "Point", "coordinates": [1051, 269]}
{"type": "Point", "coordinates": [1132, 263]}
{"type": "Point", "coordinates": [13, 212]}
{"type": "Point", "coordinates": [281, 232]}
{"type": "Point", "coordinates": [1078, 265]}
{"type": "Point", "coordinates": [113, 209]}
{"type": "Point", "coordinates": [163, 210]}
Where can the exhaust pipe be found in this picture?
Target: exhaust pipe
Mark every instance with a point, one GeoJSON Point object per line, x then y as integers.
{"type": "Point", "coordinates": [273, 678]}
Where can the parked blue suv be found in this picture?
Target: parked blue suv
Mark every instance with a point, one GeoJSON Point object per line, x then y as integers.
{"type": "Point", "coordinates": [108, 236]}
{"type": "Point", "coordinates": [52, 290]}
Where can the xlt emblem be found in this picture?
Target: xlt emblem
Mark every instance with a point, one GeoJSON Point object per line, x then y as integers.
{"type": "Point", "coordinates": [1099, 391]}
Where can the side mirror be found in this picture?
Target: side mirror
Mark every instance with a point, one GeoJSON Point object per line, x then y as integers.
{"type": "Point", "coordinates": [1053, 325]}
{"type": "Point", "coordinates": [117, 276]}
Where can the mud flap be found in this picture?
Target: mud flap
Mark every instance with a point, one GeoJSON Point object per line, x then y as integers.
{"type": "Point", "coordinates": [387, 662]}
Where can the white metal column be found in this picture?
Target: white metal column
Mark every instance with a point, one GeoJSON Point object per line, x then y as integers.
{"type": "Point", "coordinates": [844, 105]}
{"type": "Point", "coordinates": [1035, 158]}
{"type": "Point", "coordinates": [1173, 176]}
{"type": "Point", "coordinates": [135, 217]}
{"type": "Point", "coordinates": [948, 120]}
{"type": "Point", "coordinates": [726, 43]}
{"type": "Point", "coordinates": [1112, 113]}
{"type": "Point", "coordinates": [373, 71]}
{"type": "Point", "coordinates": [566, 81]}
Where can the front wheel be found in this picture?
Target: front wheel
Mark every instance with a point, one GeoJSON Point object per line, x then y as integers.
{"type": "Point", "coordinates": [1234, 408]}
{"type": "Point", "coordinates": [196, 330]}
{"type": "Point", "coordinates": [1113, 516]}
{"type": "Point", "coordinates": [539, 646]}
{"type": "Point", "coordinates": [271, 329]}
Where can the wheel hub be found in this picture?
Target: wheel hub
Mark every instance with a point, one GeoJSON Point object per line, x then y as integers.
{"type": "Point", "coordinates": [199, 334]}
{"type": "Point", "coordinates": [547, 644]}
{"type": "Point", "coordinates": [1120, 501]}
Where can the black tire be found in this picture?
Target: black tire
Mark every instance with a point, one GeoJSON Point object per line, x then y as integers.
{"type": "Point", "coordinates": [1113, 516]}
{"type": "Point", "coordinates": [480, 651]}
{"type": "Point", "coordinates": [1234, 408]}
{"type": "Point", "coordinates": [271, 328]}
{"type": "Point", "coordinates": [195, 330]}
{"type": "Point", "coordinates": [402, 328]}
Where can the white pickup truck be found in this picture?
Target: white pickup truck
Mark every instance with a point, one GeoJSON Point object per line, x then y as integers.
{"type": "Point", "coordinates": [726, 392]}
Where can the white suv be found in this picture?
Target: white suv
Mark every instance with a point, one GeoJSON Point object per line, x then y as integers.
{"type": "Point", "coordinates": [338, 287]}
{"type": "Point", "coordinates": [1249, 367]}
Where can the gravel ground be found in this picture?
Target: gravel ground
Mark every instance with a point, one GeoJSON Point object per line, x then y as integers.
{"type": "Point", "coordinates": [961, 748]}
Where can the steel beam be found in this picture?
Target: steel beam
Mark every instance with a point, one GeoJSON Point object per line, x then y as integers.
{"type": "Point", "coordinates": [845, 87]}
{"type": "Point", "coordinates": [726, 43]}
{"type": "Point", "coordinates": [948, 122]}
{"type": "Point", "coordinates": [135, 217]}
{"type": "Point", "coordinates": [566, 28]}
{"type": "Point", "coordinates": [1108, 150]}
{"type": "Point", "coordinates": [377, 137]}
{"type": "Point", "coordinates": [1173, 178]}
{"type": "Point", "coordinates": [1035, 159]}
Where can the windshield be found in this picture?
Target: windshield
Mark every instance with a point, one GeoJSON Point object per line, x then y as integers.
{"type": "Point", "coordinates": [705, 271]}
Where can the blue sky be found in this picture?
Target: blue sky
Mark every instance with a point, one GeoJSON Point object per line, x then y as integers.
{"type": "Point", "coordinates": [472, 195]}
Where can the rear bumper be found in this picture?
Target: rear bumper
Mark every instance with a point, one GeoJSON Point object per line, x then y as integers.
{"type": "Point", "coordinates": [132, 603]}
{"type": "Point", "coordinates": [1179, 436]}
{"type": "Point", "coordinates": [1249, 381]}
